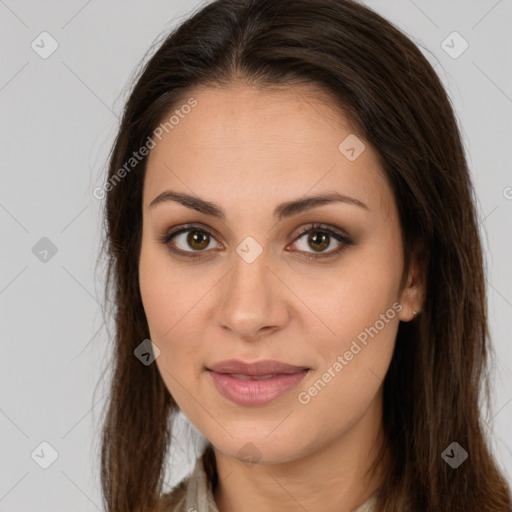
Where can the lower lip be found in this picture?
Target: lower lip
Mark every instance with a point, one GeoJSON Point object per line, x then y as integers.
{"type": "Point", "coordinates": [250, 392]}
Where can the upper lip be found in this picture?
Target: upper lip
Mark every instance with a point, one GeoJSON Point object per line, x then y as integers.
{"type": "Point", "coordinates": [265, 367]}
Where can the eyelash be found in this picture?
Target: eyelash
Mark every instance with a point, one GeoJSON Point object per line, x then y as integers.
{"type": "Point", "coordinates": [321, 228]}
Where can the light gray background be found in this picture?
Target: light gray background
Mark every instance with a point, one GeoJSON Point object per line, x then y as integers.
{"type": "Point", "coordinates": [59, 116]}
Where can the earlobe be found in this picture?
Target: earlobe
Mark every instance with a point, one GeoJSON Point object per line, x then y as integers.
{"type": "Point", "coordinates": [413, 294]}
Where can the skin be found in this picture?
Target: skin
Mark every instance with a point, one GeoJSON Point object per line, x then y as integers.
{"type": "Point", "coordinates": [248, 150]}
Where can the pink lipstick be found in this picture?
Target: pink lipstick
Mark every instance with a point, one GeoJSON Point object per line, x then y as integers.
{"type": "Point", "coordinates": [253, 384]}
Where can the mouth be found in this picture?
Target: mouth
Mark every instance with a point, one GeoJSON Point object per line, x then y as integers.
{"type": "Point", "coordinates": [254, 384]}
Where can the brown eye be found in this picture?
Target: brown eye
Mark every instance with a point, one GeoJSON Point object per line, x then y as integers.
{"type": "Point", "coordinates": [192, 241]}
{"type": "Point", "coordinates": [198, 240]}
{"type": "Point", "coordinates": [318, 240]}
{"type": "Point", "coordinates": [189, 240]}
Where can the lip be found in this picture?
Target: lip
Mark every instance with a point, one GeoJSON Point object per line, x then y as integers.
{"type": "Point", "coordinates": [253, 384]}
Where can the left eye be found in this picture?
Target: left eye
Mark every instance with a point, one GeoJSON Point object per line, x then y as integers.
{"type": "Point", "coordinates": [319, 239]}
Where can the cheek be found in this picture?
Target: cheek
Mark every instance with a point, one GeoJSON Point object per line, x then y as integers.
{"type": "Point", "coordinates": [156, 297]}
{"type": "Point", "coordinates": [351, 373]}
{"type": "Point", "coordinates": [171, 303]}
{"type": "Point", "coordinates": [353, 298]}
{"type": "Point", "coordinates": [359, 309]}
{"type": "Point", "coordinates": [167, 291]}
{"type": "Point", "coordinates": [164, 308]}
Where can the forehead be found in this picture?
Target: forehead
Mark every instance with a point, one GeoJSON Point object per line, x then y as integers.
{"type": "Point", "coordinates": [252, 143]}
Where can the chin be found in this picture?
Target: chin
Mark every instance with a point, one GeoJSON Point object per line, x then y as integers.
{"type": "Point", "coordinates": [261, 449]}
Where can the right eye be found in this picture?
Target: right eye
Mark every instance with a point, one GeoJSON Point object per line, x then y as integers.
{"type": "Point", "coordinates": [188, 239]}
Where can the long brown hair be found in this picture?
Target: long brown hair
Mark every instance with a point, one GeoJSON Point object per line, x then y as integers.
{"type": "Point", "coordinates": [438, 382]}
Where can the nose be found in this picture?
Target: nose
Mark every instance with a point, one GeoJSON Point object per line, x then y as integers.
{"type": "Point", "coordinates": [254, 300]}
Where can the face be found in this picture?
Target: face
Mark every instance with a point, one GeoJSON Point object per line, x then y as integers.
{"type": "Point", "coordinates": [253, 275]}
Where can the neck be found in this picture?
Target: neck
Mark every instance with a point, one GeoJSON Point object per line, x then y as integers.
{"type": "Point", "coordinates": [334, 477]}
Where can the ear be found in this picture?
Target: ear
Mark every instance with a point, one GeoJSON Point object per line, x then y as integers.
{"type": "Point", "coordinates": [414, 291]}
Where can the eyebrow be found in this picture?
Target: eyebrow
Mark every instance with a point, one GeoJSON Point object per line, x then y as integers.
{"type": "Point", "coordinates": [282, 211]}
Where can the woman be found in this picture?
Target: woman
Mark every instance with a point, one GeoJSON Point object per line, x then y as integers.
{"type": "Point", "coordinates": [290, 221]}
